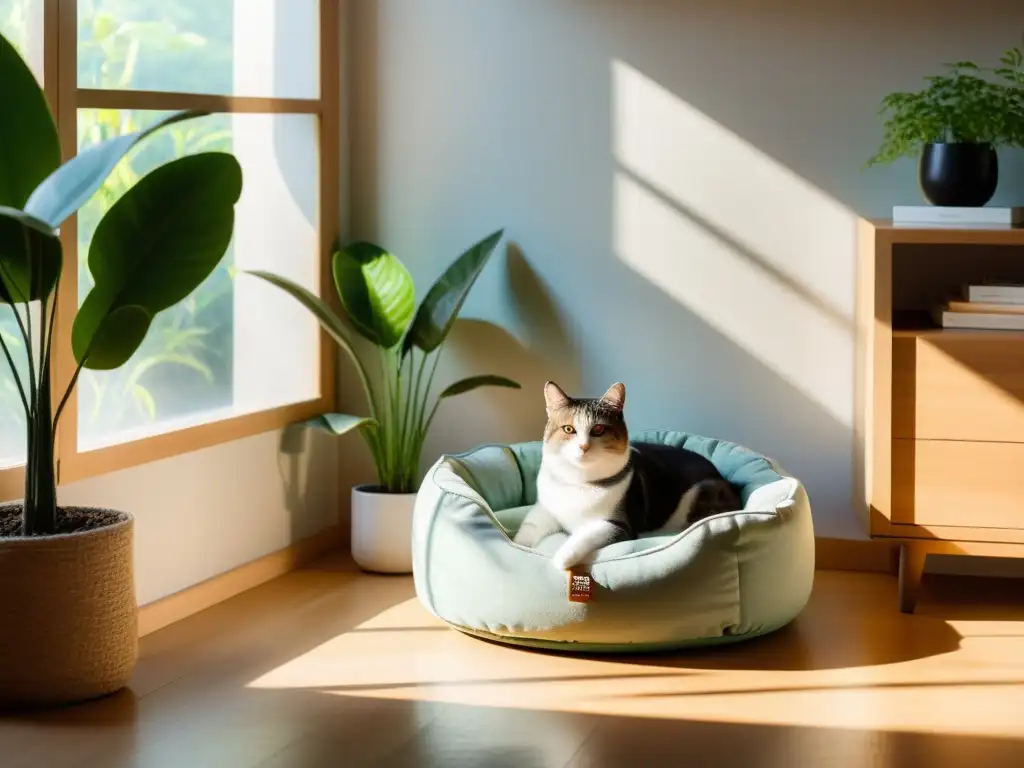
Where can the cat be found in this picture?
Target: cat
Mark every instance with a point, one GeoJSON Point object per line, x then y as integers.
{"type": "Point", "coordinates": [597, 487]}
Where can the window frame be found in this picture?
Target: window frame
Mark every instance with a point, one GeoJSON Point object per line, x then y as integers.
{"type": "Point", "coordinates": [60, 84]}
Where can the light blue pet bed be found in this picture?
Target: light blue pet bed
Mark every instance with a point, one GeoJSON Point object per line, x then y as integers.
{"type": "Point", "coordinates": [726, 578]}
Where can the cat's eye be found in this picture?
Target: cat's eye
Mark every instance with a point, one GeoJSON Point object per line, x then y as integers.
{"type": "Point", "coordinates": [569, 430]}
{"type": "Point", "coordinates": [597, 430]}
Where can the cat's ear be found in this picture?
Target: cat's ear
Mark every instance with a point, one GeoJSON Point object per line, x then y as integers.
{"type": "Point", "coordinates": [615, 397]}
{"type": "Point", "coordinates": [554, 397]}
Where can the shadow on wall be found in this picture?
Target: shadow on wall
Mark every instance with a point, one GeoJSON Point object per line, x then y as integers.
{"type": "Point", "coordinates": [541, 326]}
{"type": "Point", "coordinates": [685, 178]}
{"type": "Point", "coordinates": [539, 348]}
{"type": "Point", "coordinates": [307, 465]}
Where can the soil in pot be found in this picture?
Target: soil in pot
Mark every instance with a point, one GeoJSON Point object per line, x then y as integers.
{"type": "Point", "coordinates": [69, 520]}
{"type": "Point", "coordinates": [68, 614]}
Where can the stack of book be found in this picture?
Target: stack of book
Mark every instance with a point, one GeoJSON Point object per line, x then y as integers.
{"type": "Point", "coordinates": [990, 306]}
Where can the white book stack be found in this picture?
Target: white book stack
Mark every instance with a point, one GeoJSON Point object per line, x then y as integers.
{"type": "Point", "coordinates": [944, 216]}
{"type": "Point", "coordinates": [989, 306]}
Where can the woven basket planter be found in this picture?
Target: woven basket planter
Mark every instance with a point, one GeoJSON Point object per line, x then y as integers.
{"type": "Point", "coordinates": [68, 613]}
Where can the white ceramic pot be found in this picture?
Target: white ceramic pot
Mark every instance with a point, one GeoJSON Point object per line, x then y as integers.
{"type": "Point", "coordinates": [382, 529]}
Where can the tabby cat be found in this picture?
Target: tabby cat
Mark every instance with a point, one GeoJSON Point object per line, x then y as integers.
{"type": "Point", "coordinates": [600, 489]}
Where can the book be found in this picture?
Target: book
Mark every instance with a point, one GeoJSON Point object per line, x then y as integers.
{"type": "Point", "coordinates": [985, 308]}
{"type": "Point", "coordinates": [995, 293]}
{"type": "Point", "coordinates": [1005, 321]}
{"type": "Point", "coordinates": [952, 216]}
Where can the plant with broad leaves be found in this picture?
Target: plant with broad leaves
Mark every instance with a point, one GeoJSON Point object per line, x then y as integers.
{"type": "Point", "coordinates": [152, 248]}
{"type": "Point", "coordinates": [379, 297]}
{"type": "Point", "coordinates": [971, 104]}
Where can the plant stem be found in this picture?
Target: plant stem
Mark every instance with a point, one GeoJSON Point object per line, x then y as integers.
{"type": "Point", "coordinates": [415, 447]}
{"type": "Point", "coordinates": [20, 298]}
{"type": "Point", "coordinates": [47, 340]}
{"type": "Point", "coordinates": [64, 400]}
{"type": "Point", "coordinates": [430, 382]}
{"type": "Point", "coordinates": [43, 306]}
{"type": "Point", "coordinates": [395, 366]}
{"type": "Point", "coordinates": [40, 510]}
{"type": "Point", "coordinates": [17, 378]}
{"type": "Point", "coordinates": [32, 279]}
{"type": "Point", "coordinates": [32, 379]}
{"type": "Point", "coordinates": [397, 414]}
{"type": "Point", "coordinates": [364, 378]}
{"type": "Point", "coordinates": [407, 400]}
{"type": "Point", "coordinates": [385, 472]}
{"type": "Point", "coordinates": [394, 421]}
{"type": "Point", "coordinates": [376, 448]}
{"type": "Point", "coordinates": [389, 427]}
{"type": "Point", "coordinates": [414, 426]}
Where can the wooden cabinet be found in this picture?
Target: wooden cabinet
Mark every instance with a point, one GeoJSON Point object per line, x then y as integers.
{"type": "Point", "coordinates": [941, 427]}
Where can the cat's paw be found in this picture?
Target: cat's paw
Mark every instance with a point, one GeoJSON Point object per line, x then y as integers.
{"type": "Point", "coordinates": [568, 556]}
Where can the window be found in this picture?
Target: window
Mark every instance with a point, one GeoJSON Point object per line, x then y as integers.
{"type": "Point", "coordinates": [238, 356]}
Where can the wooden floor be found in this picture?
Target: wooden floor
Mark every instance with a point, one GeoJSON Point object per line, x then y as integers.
{"type": "Point", "coordinates": [327, 667]}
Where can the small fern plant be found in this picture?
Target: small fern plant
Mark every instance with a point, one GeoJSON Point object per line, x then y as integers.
{"type": "Point", "coordinates": [969, 104]}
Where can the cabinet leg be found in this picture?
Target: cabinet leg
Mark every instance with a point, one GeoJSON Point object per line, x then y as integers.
{"type": "Point", "coordinates": [911, 570]}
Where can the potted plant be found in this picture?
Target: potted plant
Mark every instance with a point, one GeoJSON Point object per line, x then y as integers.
{"type": "Point", "coordinates": [378, 295]}
{"type": "Point", "coordinates": [955, 125]}
{"type": "Point", "coordinates": [68, 615]}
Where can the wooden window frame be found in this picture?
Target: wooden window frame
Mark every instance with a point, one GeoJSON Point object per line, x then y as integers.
{"type": "Point", "coordinates": [60, 83]}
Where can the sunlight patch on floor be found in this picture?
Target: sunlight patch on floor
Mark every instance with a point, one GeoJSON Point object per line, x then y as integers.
{"type": "Point", "coordinates": [404, 654]}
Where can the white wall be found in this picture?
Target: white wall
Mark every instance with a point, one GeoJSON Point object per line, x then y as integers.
{"type": "Point", "coordinates": [209, 511]}
{"type": "Point", "coordinates": [682, 180]}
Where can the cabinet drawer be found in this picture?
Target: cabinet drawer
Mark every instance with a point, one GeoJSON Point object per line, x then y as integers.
{"type": "Point", "coordinates": [958, 483]}
{"type": "Point", "coordinates": [958, 385]}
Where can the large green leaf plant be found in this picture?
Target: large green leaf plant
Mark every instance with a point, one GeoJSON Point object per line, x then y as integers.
{"type": "Point", "coordinates": [150, 251]}
{"type": "Point", "coordinates": [379, 297]}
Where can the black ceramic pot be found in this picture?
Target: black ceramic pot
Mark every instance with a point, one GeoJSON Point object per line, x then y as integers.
{"type": "Point", "coordinates": [959, 174]}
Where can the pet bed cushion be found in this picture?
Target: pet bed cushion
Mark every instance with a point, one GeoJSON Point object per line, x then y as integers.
{"type": "Point", "coordinates": [728, 577]}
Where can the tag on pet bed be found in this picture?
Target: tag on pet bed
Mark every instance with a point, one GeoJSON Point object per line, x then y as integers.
{"type": "Point", "coordinates": [580, 586]}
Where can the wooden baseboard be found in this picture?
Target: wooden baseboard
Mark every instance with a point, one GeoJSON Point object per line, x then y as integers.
{"type": "Point", "coordinates": [868, 555]}
{"type": "Point", "coordinates": [217, 589]}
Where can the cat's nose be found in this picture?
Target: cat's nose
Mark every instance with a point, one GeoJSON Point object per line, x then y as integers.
{"type": "Point", "coordinates": [584, 447]}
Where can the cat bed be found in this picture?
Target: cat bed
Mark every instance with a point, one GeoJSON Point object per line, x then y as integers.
{"type": "Point", "coordinates": [726, 578]}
